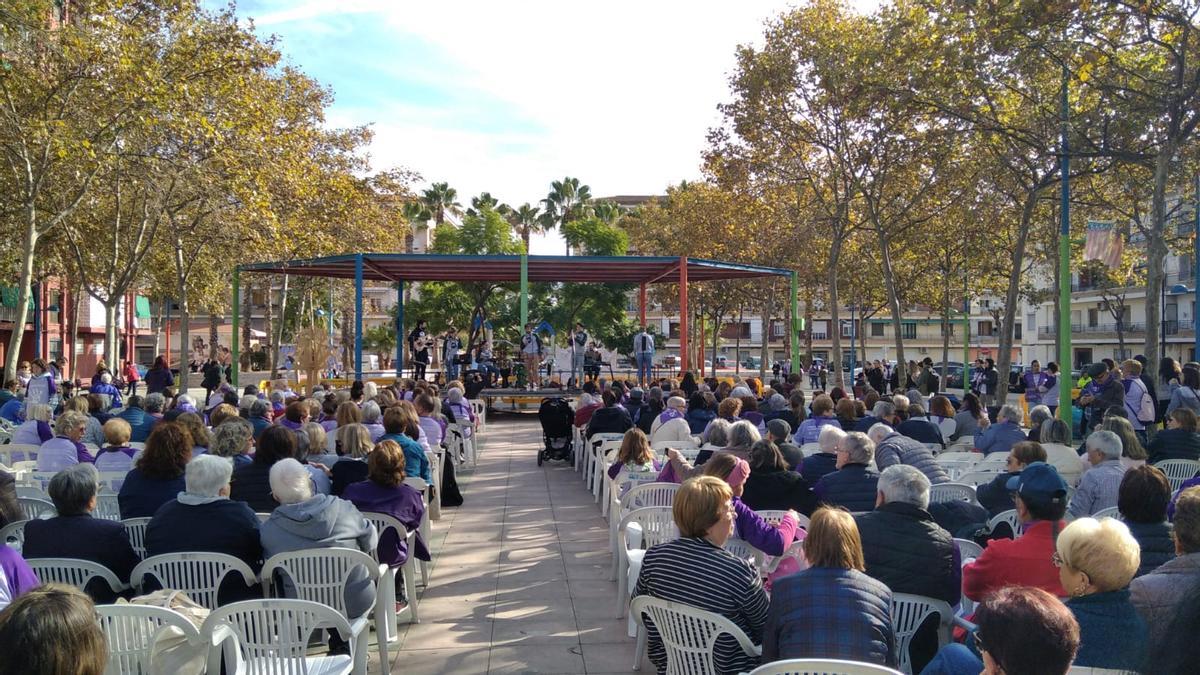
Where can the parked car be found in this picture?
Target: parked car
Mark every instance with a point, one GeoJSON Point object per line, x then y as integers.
{"type": "Point", "coordinates": [752, 362]}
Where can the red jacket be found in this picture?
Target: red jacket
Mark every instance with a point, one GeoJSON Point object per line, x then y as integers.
{"type": "Point", "coordinates": [1015, 562]}
{"type": "Point", "coordinates": [584, 414]}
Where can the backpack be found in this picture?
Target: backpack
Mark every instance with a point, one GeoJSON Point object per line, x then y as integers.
{"type": "Point", "coordinates": [1146, 412]}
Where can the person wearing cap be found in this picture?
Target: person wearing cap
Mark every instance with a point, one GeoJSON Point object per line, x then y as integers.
{"type": "Point", "coordinates": [1041, 501]}
{"type": "Point", "coordinates": [671, 425]}
{"type": "Point", "coordinates": [1100, 486]}
{"type": "Point", "coordinates": [1102, 393]}
{"type": "Point", "coordinates": [639, 412]}
{"type": "Point", "coordinates": [854, 484]}
{"type": "Point", "coordinates": [778, 431]}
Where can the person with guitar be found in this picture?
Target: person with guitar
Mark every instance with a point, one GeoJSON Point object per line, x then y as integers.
{"type": "Point", "coordinates": [579, 342]}
{"type": "Point", "coordinates": [418, 346]}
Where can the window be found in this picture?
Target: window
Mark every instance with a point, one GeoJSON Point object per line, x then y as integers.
{"type": "Point", "coordinates": [847, 329]}
{"type": "Point", "coordinates": [820, 330]}
{"type": "Point", "coordinates": [943, 328]}
{"type": "Point", "coordinates": [1017, 331]}
{"type": "Point", "coordinates": [778, 329]}
{"type": "Point", "coordinates": [55, 348]}
{"type": "Point", "coordinates": [1031, 320]}
{"type": "Point", "coordinates": [985, 328]}
{"type": "Point", "coordinates": [876, 329]}
{"type": "Point", "coordinates": [908, 330]}
{"type": "Point", "coordinates": [847, 357]}
{"type": "Point", "coordinates": [1093, 318]}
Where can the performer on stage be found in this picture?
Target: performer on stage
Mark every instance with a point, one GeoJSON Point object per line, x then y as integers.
{"type": "Point", "coordinates": [531, 355]}
{"type": "Point", "coordinates": [643, 354]}
{"type": "Point", "coordinates": [485, 362]}
{"type": "Point", "coordinates": [418, 346]}
{"type": "Point", "coordinates": [450, 357]}
{"type": "Point", "coordinates": [579, 341]}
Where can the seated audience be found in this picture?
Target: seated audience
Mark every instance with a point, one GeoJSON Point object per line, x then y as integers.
{"type": "Point", "coordinates": [1096, 560]}
{"type": "Point", "coordinates": [1056, 441]}
{"type": "Point", "coordinates": [384, 492]}
{"type": "Point", "coordinates": [1037, 417]}
{"type": "Point", "coordinates": [260, 417]}
{"type": "Point", "coordinates": [116, 455]}
{"type": "Point", "coordinates": [319, 446]}
{"type": "Point", "coordinates": [234, 440]}
{"type": "Point", "coordinates": [920, 428]}
{"type": "Point", "coordinates": [1175, 650]}
{"type": "Point", "coordinates": [353, 442]}
{"type": "Point", "coordinates": [94, 433]}
{"type": "Point", "coordinates": [1021, 630]}
{"type": "Point", "coordinates": [10, 508]}
{"type": "Point", "coordinates": [971, 419]}
{"type": "Point", "coordinates": [892, 448]}
{"type": "Point", "coordinates": [140, 421]}
{"type": "Point", "coordinates": [883, 412]}
{"type": "Point", "coordinates": [64, 449]}
{"type": "Point", "coordinates": [157, 475]}
{"type": "Point", "coordinates": [771, 486]}
{"type": "Point", "coordinates": [732, 588]}
{"type": "Point", "coordinates": [994, 496]}
{"type": "Point", "coordinates": [854, 609]}
{"type": "Point", "coordinates": [699, 413]}
{"type": "Point", "coordinates": [846, 413]}
{"type": "Point", "coordinates": [1142, 501]}
{"type": "Point", "coordinates": [583, 412]}
{"type": "Point", "coordinates": [824, 461]}
{"type": "Point", "coordinates": [1041, 501]}
{"type": "Point", "coordinates": [52, 630]}
{"type": "Point", "coordinates": [401, 425]}
{"type": "Point", "coordinates": [670, 425]}
{"type": "Point", "coordinates": [1179, 440]}
{"type": "Point", "coordinates": [748, 525]}
{"type": "Point", "coordinates": [16, 577]}
{"type": "Point", "coordinates": [74, 533]}
{"type": "Point", "coordinates": [822, 416]}
{"type": "Point", "coordinates": [718, 435]}
{"type": "Point", "coordinates": [36, 428]}
{"type": "Point", "coordinates": [1157, 595]}
{"type": "Point", "coordinates": [251, 482]}
{"type": "Point", "coordinates": [203, 518]}
{"type": "Point", "coordinates": [634, 460]}
{"type": "Point", "coordinates": [1099, 486]}
{"type": "Point", "coordinates": [778, 432]}
{"type": "Point", "coordinates": [426, 409]}
{"type": "Point", "coordinates": [728, 410]}
{"type": "Point", "coordinates": [305, 521]}
{"type": "Point", "coordinates": [854, 484]}
{"type": "Point", "coordinates": [1006, 432]}
{"type": "Point", "coordinates": [610, 419]}
{"type": "Point", "coordinates": [194, 424]}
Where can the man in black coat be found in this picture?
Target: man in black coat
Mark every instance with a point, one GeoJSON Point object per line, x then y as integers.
{"type": "Point", "coordinates": [854, 485]}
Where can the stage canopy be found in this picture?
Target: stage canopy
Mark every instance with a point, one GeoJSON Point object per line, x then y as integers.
{"type": "Point", "coordinates": [398, 268]}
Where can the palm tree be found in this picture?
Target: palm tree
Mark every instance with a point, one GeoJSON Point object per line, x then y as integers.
{"type": "Point", "coordinates": [418, 218]}
{"type": "Point", "coordinates": [485, 200]}
{"type": "Point", "coordinates": [565, 203]}
{"type": "Point", "coordinates": [527, 219]}
{"type": "Point", "coordinates": [441, 199]}
{"type": "Point", "coordinates": [607, 212]}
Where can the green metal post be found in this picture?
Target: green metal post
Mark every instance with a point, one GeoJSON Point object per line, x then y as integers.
{"type": "Point", "coordinates": [1064, 264]}
{"type": "Point", "coordinates": [331, 309]}
{"type": "Point", "coordinates": [524, 290]}
{"type": "Point", "coordinates": [794, 332]}
{"type": "Point", "coordinates": [966, 343]}
{"type": "Point", "coordinates": [234, 348]}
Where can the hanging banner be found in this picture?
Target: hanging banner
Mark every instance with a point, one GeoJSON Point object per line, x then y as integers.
{"type": "Point", "coordinates": [1103, 243]}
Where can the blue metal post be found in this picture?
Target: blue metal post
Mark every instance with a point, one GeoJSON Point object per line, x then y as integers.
{"type": "Point", "coordinates": [399, 328]}
{"type": "Point", "coordinates": [1064, 259]}
{"type": "Point", "coordinates": [358, 314]}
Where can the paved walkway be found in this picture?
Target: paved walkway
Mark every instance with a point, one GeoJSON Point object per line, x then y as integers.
{"type": "Point", "coordinates": [519, 582]}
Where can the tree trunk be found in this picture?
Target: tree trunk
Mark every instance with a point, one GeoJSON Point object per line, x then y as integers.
{"type": "Point", "coordinates": [889, 282]}
{"type": "Point", "coordinates": [247, 307]}
{"type": "Point", "coordinates": [277, 338]}
{"type": "Point", "coordinates": [24, 293]}
{"type": "Point", "coordinates": [160, 328]}
{"type": "Point", "coordinates": [835, 352]}
{"type": "Point", "coordinates": [1004, 361]}
{"type": "Point", "coordinates": [946, 334]}
{"type": "Point", "coordinates": [1156, 251]}
{"type": "Point", "coordinates": [269, 319]}
{"type": "Point", "coordinates": [73, 325]}
{"type": "Point", "coordinates": [765, 352]}
{"type": "Point", "coordinates": [808, 320]}
{"type": "Point", "coordinates": [214, 335]}
{"type": "Point", "coordinates": [110, 334]}
{"type": "Point", "coordinates": [737, 343]}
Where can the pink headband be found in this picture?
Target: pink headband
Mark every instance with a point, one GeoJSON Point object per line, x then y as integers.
{"type": "Point", "coordinates": [741, 471]}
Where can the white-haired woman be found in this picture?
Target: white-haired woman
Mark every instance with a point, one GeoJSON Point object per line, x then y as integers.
{"type": "Point", "coordinates": [824, 461]}
{"type": "Point", "coordinates": [36, 429]}
{"type": "Point", "coordinates": [305, 521]}
{"type": "Point", "coordinates": [372, 419]}
{"type": "Point", "coordinates": [64, 449]}
{"type": "Point", "coordinates": [463, 415]}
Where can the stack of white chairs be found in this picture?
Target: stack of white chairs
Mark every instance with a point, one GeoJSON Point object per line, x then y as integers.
{"type": "Point", "coordinates": [420, 486]}
{"type": "Point", "coordinates": [1178, 471]}
{"type": "Point", "coordinates": [591, 466]}
{"type": "Point", "coordinates": [638, 497]}
{"type": "Point", "coordinates": [639, 530]}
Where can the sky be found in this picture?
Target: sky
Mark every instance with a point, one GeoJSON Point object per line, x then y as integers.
{"type": "Point", "coordinates": [505, 97]}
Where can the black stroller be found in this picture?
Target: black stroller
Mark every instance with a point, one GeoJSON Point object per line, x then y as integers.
{"type": "Point", "coordinates": [557, 420]}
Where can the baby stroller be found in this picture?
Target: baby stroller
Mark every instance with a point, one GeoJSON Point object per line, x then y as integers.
{"type": "Point", "coordinates": [557, 418]}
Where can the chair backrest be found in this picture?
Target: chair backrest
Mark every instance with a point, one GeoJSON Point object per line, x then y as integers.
{"type": "Point", "coordinates": [648, 494]}
{"type": "Point", "coordinates": [822, 667]}
{"type": "Point", "coordinates": [688, 634]}
{"type": "Point", "coordinates": [1110, 512]}
{"type": "Point", "coordinates": [678, 445]}
{"type": "Point", "coordinates": [107, 507]}
{"type": "Point", "coordinates": [272, 634]}
{"type": "Point", "coordinates": [810, 449]}
{"type": "Point", "coordinates": [744, 551]}
{"type": "Point", "coordinates": [384, 522]}
{"type": "Point", "coordinates": [977, 477]}
{"type": "Point", "coordinates": [18, 452]}
{"type": "Point", "coordinates": [321, 574]}
{"type": "Point", "coordinates": [908, 613]}
{"type": "Point", "coordinates": [112, 480]}
{"type": "Point", "coordinates": [135, 529]}
{"type": "Point", "coordinates": [74, 572]}
{"type": "Point", "coordinates": [654, 525]}
{"type": "Point", "coordinates": [995, 461]}
{"type": "Point", "coordinates": [32, 491]}
{"type": "Point", "coordinates": [1178, 471]}
{"type": "Point", "coordinates": [952, 492]}
{"type": "Point", "coordinates": [1010, 517]}
{"type": "Point", "coordinates": [131, 631]}
{"type": "Point", "coordinates": [968, 549]}
{"type": "Point", "coordinates": [13, 534]}
{"type": "Point", "coordinates": [35, 508]}
{"type": "Point", "coordinates": [199, 574]}
{"type": "Point", "coordinates": [774, 517]}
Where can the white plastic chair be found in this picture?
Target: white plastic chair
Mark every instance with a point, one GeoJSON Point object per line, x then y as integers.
{"type": "Point", "coordinates": [578, 443]}
{"type": "Point", "coordinates": [419, 485]}
{"type": "Point", "coordinates": [480, 409]}
{"type": "Point", "coordinates": [107, 507]}
{"type": "Point", "coordinates": [137, 445]}
{"type": "Point", "coordinates": [775, 516]}
{"type": "Point", "coordinates": [968, 550]}
{"type": "Point", "coordinates": [908, 613]}
{"type": "Point", "coordinates": [465, 442]}
{"type": "Point", "coordinates": [952, 492]}
{"type": "Point", "coordinates": [135, 529]}
{"type": "Point", "coordinates": [320, 575]}
{"type": "Point", "coordinates": [199, 574]}
{"type": "Point", "coordinates": [387, 574]}
{"type": "Point", "coordinates": [606, 455]}
{"type": "Point", "coordinates": [660, 447]}
{"type": "Point", "coordinates": [74, 572]}
{"type": "Point", "coordinates": [744, 551]}
{"type": "Point", "coordinates": [996, 461]}
{"type": "Point", "coordinates": [822, 667]}
{"type": "Point", "coordinates": [32, 491]}
{"type": "Point", "coordinates": [589, 470]}
{"type": "Point", "coordinates": [638, 531]}
{"type": "Point", "coordinates": [271, 637]}
{"type": "Point", "coordinates": [688, 634]}
{"type": "Point", "coordinates": [977, 477]}
{"type": "Point", "coordinates": [810, 449]}
{"type": "Point", "coordinates": [638, 497]}
{"type": "Point", "coordinates": [13, 534]}
{"type": "Point", "coordinates": [112, 480]}
{"type": "Point", "coordinates": [434, 504]}
{"type": "Point", "coordinates": [948, 426]}
{"type": "Point", "coordinates": [35, 508]}
{"type": "Point", "coordinates": [1110, 512]}
{"type": "Point", "coordinates": [18, 452]}
{"type": "Point", "coordinates": [1178, 471]}
{"type": "Point", "coordinates": [1010, 517]}
{"type": "Point", "coordinates": [132, 630]}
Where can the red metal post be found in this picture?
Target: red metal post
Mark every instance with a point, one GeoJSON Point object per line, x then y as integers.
{"type": "Point", "coordinates": [642, 305]}
{"type": "Point", "coordinates": [700, 354]}
{"type": "Point", "coordinates": [683, 314]}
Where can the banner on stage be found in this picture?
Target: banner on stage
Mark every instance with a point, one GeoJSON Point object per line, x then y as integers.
{"type": "Point", "coordinates": [1103, 243]}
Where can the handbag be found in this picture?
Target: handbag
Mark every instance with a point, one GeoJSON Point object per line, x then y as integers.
{"type": "Point", "coordinates": [172, 652]}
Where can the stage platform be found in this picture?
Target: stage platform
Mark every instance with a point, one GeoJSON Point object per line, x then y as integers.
{"type": "Point", "coordinates": [520, 399]}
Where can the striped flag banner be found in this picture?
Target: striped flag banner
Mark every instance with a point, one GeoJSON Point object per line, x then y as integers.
{"type": "Point", "coordinates": [1103, 243]}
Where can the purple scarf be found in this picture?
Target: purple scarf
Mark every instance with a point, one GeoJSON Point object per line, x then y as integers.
{"type": "Point", "coordinates": [669, 414]}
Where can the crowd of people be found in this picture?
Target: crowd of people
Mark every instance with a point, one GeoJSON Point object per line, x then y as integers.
{"type": "Point", "coordinates": [1063, 587]}
{"type": "Point", "coordinates": [249, 475]}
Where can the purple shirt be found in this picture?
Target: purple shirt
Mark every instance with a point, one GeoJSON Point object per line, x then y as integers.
{"type": "Point", "coordinates": [61, 453]}
{"type": "Point", "coordinates": [402, 503]}
{"type": "Point", "coordinates": [16, 577]}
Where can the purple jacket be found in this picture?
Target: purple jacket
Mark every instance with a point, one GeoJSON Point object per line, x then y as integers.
{"type": "Point", "coordinates": [760, 534]}
{"type": "Point", "coordinates": [1032, 382]}
{"type": "Point", "coordinates": [402, 503]}
{"type": "Point", "coordinates": [810, 429]}
{"type": "Point", "coordinates": [15, 576]}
